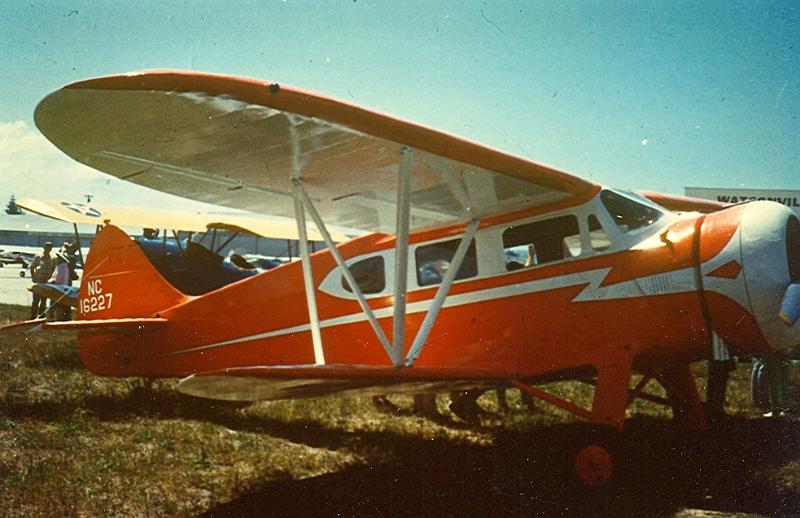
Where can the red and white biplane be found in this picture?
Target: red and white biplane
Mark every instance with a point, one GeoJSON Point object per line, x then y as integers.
{"type": "Point", "coordinates": [478, 267]}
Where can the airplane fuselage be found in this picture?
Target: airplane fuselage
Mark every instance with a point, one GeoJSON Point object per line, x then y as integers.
{"type": "Point", "coordinates": [589, 284]}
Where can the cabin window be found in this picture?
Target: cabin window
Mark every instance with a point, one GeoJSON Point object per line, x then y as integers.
{"type": "Point", "coordinates": [432, 262]}
{"type": "Point", "coordinates": [598, 237]}
{"type": "Point", "coordinates": [369, 274]}
{"type": "Point", "coordinates": [627, 213]}
{"type": "Point", "coordinates": [541, 242]}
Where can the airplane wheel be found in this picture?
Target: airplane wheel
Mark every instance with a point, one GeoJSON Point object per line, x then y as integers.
{"type": "Point", "coordinates": [22, 273]}
{"type": "Point", "coordinates": [594, 465]}
{"type": "Point", "coordinates": [595, 461]}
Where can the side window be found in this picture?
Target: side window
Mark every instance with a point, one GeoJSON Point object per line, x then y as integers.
{"type": "Point", "coordinates": [598, 236]}
{"type": "Point", "coordinates": [627, 213]}
{"type": "Point", "coordinates": [434, 260]}
{"type": "Point", "coordinates": [541, 242]}
{"type": "Point", "coordinates": [369, 274]}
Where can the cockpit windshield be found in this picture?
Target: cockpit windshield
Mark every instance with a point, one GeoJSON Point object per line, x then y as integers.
{"type": "Point", "coordinates": [630, 211]}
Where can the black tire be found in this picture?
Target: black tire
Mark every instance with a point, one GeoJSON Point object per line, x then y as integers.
{"type": "Point", "coordinates": [22, 273]}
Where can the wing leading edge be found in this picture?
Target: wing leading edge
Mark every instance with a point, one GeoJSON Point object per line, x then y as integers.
{"type": "Point", "coordinates": [239, 142]}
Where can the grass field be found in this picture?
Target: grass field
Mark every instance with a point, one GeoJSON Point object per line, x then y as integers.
{"type": "Point", "coordinates": [72, 443]}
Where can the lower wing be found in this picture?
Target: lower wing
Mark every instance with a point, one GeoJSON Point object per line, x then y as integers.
{"type": "Point", "coordinates": [312, 381]}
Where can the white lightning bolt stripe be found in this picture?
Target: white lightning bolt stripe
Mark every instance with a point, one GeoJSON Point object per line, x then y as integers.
{"type": "Point", "coordinates": [673, 282]}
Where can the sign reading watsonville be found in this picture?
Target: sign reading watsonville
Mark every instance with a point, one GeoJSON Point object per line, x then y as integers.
{"type": "Point", "coordinates": [789, 198]}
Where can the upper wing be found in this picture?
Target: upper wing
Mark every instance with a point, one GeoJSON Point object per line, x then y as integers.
{"type": "Point", "coordinates": [236, 142]}
{"type": "Point", "coordinates": [171, 219]}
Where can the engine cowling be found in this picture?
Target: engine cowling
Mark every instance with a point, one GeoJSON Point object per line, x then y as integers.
{"type": "Point", "coordinates": [749, 277]}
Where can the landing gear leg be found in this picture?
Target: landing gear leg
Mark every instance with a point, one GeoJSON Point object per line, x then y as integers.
{"type": "Point", "coordinates": [595, 461]}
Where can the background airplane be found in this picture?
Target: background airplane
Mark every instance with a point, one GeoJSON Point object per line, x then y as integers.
{"type": "Point", "coordinates": [194, 262]}
{"type": "Point", "coordinates": [15, 257]}
{"type": "Point", "coordinates": [189, 221]}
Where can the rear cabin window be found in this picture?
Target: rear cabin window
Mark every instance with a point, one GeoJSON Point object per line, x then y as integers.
{"type": "Point", "coordinates": [599, 238]}
{"type": "Point", "coordinates": [432, 262]}
{"type": "Point", "coordinates": [541, 242]}
{"type": "Point", "coordinates": [628, 214]}
{"type": "Point", "coordinates": [369, 274]}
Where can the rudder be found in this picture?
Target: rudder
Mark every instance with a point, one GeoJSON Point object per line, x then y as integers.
{"type": "Point", "coordinates": [120, 282]}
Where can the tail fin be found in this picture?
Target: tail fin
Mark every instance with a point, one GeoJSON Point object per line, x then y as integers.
{"type": "Point", "coordinates": [120, 282]}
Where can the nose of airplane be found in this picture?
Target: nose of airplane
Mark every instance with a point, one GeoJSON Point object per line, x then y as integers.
{"type": "Point", "coordinates": [770, 248]}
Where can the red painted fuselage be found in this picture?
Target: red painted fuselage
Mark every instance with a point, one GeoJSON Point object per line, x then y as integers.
{"type": "Point", "coordinates": [653, 295]}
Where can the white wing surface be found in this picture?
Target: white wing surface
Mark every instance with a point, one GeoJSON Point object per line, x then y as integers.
{"type": "Point", "coordinates": [239, 142]}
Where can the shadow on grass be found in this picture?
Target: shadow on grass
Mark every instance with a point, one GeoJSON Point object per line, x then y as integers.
{"type": "Point", "coordinates": [529, 474]}
{"type": "Point", "coordinates": [173, 405]}
{"type": "Point", "coordinates": [61, 359]}
{"type": "Point", "coordinates": [521, 473]}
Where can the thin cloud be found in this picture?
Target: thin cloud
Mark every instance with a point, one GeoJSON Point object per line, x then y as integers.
{"type": "Point", "coordinates": [31, 167]}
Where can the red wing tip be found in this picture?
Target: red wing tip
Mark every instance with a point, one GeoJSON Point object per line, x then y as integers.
{"type": "Point", "coordinates": [140, 76]}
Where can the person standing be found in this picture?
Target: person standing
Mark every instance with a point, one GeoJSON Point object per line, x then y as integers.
{"type": "Point", "coordinates": [70, 251]}
{"type": "Point", "coordinates": [777, 370]}
{"type": "Point", "coordinates": [61, 277]}
{"type": "Point", "coordinates": [41, 269]}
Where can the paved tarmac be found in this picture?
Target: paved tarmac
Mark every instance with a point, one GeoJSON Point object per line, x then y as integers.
{"type": "Point", "coordinates": [13, 288]}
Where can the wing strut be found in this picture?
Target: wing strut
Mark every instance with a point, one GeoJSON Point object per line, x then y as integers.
{"type": "Point", "coordinates": [302, 201]}
{"type": "Point", "coordinates": [401, 254]}
{"type": "Point", "coordinates": [78, 243]}
{"type": "Point", "coordinates": [308, 279]}
{"type": "Point", "coordinates": [345, 269]}
{"type": "Point", "coordinates": [302, 242]}
{"type": "Point", "coordinates": [441, 293]}
{"type": "Point", "coordinates": [233, 236]}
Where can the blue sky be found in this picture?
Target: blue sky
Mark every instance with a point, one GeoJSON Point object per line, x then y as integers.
{"type": "Point", "coordinates": [644, 95]}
